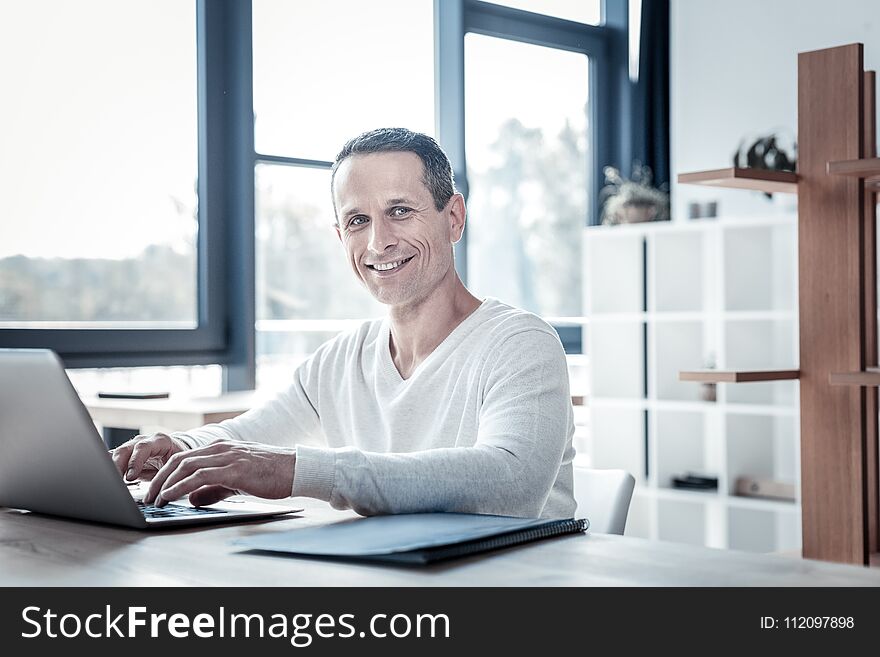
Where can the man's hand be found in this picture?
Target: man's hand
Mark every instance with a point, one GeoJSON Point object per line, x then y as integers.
{"type": "Point", "coordinates": [142, 456]}
{"type": "Point", "coordinates": [216, 471]}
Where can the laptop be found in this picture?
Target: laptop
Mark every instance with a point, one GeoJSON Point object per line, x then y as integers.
{"type": "Point", "coordinates": [53, 460]}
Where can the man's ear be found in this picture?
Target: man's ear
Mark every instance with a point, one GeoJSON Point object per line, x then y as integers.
{"type": "Point", "coordinates": [457, 216]}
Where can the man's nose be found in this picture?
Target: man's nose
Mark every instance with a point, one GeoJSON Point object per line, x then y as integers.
{"type": "Point", "coordinates": [381, 235]}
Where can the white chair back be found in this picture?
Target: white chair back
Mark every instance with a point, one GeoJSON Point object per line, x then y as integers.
{"type": "Point", "coordinates": [603, 497]}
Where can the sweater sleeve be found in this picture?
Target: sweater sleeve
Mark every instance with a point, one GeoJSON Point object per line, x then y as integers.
{"type": "Point", "coordinates": [525, 424]}
{"type": "Point", "coordinates": [289, 418]}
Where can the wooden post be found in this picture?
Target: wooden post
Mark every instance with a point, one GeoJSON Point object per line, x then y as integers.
{"type": "Point", "coordinates": [832, 273]}
{"type": "Point", "coordinates": [871, 409]}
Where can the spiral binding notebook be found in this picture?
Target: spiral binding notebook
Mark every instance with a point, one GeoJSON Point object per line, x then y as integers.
{"type": "Point", "coordinates": [414, 538]}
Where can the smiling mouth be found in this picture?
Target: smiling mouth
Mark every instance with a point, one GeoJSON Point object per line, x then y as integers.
{"type": "Point", "coordinates": [388, 266]}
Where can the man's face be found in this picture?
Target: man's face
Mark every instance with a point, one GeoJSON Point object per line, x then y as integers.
{"type": "Point", "coordinates": [396, 241]}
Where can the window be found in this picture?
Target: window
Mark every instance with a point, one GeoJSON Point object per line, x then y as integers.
{"type": "Point", "coordinates": [165, 165]}
{"type": "Point", "coordinates": [306, 292]}
{"type": "Point", "coordinates": [324, 71]}
{"type": "Point", "coordinates": [327, 70]}
{"type": "Point", "coordinates": [98, 165]}
{"type": "Point", "coordinates": [104, 252]}
{"type": "Point", "coordinates": [541, 101]}
{"type": "Point", "coordinates": [527, 158]}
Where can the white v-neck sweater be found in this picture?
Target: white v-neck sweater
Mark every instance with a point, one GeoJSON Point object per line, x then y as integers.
{"type": "Point", "coordinates": [483, 425]}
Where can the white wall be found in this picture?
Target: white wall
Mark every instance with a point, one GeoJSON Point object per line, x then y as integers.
{"type": "Point", "coordinates": [734, 73]}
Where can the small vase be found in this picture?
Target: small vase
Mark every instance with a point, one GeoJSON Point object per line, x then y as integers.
{"type": "Point", "coordinates": [636, 213]}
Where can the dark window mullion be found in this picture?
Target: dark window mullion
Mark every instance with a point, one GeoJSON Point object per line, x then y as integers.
{"type": "Point", "coordinates": [226, 180]}
{"type": "Point", "coordinates": [518, 25]}
{"type": "Point", "coordinates": [282, 160]}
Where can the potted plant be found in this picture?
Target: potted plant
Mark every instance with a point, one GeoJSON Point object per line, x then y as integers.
{"type": "Point", "coordinates": [633, 200]}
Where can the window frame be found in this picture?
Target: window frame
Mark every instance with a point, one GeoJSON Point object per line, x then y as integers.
{"type": "Point", "coordinates": [606, 46]}
{"type": "Point", "coordinates": [223, 81]}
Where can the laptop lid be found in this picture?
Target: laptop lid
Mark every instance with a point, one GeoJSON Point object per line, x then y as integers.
{"type": "Point", "coordinates": [52, 458]}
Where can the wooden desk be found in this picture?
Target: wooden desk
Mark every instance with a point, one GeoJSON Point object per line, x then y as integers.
{"type": "Point", "coordinates": [42, 551]}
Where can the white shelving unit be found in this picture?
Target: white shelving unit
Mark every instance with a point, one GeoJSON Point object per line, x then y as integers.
{"type": "Point", "coordinates": [665, 297]}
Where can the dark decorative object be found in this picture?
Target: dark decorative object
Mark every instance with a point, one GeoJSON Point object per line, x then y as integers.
{"type": "Point", "coordinates": [635, 200]}
{"type": "Point", "coordinates": [694, 481]}
{"type": "Point", "coordinates": [704, 210]}
{"type": "Point", "coordinates": [766, 153]}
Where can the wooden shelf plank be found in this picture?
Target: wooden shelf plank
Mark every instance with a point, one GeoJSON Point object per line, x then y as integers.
{"type": "Point", "coordinates": [868, 167]}
{"type": "Point", "coordinates": [738, 376]}
{"type": "Point", "coordinates": [869, 378]}
{"type": "Point", "coordinates": [761, 180]}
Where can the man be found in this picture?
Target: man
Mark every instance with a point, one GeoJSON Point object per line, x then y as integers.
{"type": "Point", "coordinates": [449, 404]}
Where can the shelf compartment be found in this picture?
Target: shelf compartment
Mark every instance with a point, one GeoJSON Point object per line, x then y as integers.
{"type": "Point", "coordinates": [684, 443]}
{"type": "Point", "coordinates": [759, 268]}
{"type": "Point", "coordinates": [738, 376]}
{"type": "Point", "coordinates": [677, 272]}
{"type": "Point", "coordinates": [763, 531]}
{"type": "Point", "coordinates": [681, 522]}
{"type": "Point", "coordinates": [759, 180]}
{"type": "Point", "coordinates": [673, 346]}
{"type": "Point", "coordinates": [618, 440]}
{"type": "Point", "coordinates": [761, 346]}
{"type": "Point", "coordinates": [617, 354]}
{"type": "Point", "coordinates": [620, 258]}
{"type": "Point", "coordinates": [868, 378]}
{"type": "Point", "coordinates": [760, 448]}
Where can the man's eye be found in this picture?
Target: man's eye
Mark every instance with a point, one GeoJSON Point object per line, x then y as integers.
{"type": "Point", "coordinates": [400, 212]}
{"type": "Point", "coordinates": [357, 221]}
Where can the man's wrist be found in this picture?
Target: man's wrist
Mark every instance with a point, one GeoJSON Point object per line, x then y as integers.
{"type": "Point", "coordinates": [180, 441]}
{"type": "Point", "coordinates": [293, 472]}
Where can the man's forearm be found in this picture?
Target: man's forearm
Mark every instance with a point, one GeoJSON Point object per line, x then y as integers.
{"type": "Point", "coordinates": [480, 479]}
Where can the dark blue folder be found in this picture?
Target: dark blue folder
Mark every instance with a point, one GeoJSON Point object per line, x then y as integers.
{"type": "Point", "coordinates": [415, 538]}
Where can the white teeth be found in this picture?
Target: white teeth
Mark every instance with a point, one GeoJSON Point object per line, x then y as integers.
{"type": "Point", "coordinates": [389, 265]}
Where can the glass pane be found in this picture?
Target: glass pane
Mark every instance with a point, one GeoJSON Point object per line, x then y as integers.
{"type": "Point", "coordinates": [527, 159]}
{"type": "Point", "coordinates": [98, 163]}
{"type": "Point", "coordinates": [582, 11]}
{"type": "Point", "coordinates": [302, 271]}
{"type": "Point", "coordinates": [303, 274]}
{"type": "Point", "coordinates": [327, 70]}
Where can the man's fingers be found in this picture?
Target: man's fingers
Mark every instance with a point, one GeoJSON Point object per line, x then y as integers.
{"type": "Point", "coordinates": [173, 463]}
{"type": "Point", "coordinates": [163, 474]}
{"type": "Point", "coordinates": [219, 476]}
{"type": "Point", "coordinates": [121, 456]}
{"type": "Point", "coordinates": [210, 494]}
{"type": "Point", "coordinates": [143, 451]}
{"type": "Point", "coordinates": [191, 464]}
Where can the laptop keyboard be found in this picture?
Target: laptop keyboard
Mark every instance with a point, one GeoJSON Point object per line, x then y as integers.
{"type": "Point", "coordinates": [174, 510]}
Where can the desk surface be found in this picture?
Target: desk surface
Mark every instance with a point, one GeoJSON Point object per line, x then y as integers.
{"type": "Point", "coordinates": [230, 402]}
{"type": "Point", "coordinates": [42, 551]}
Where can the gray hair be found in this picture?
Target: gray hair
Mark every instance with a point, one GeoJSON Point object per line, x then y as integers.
{"type": "Point", "coordinates": [438, 176]}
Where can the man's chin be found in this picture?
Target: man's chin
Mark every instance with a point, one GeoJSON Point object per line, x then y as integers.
{"type": "Point", "coordinates": [392, 297]}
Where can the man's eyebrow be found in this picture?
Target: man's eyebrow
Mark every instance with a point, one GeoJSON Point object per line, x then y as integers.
{"type": "Point", "coordinates": [389, 203]}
